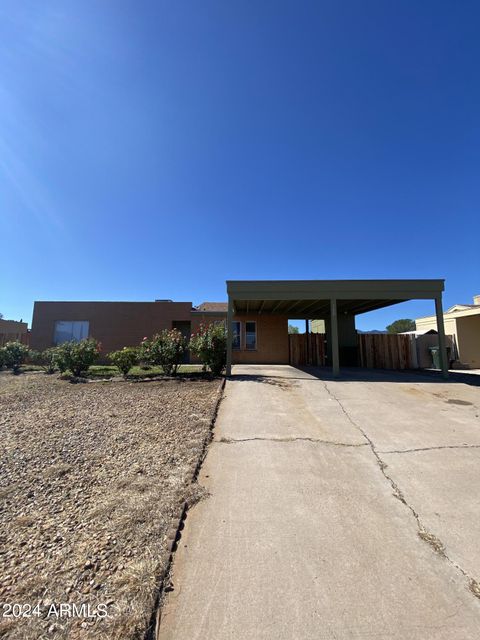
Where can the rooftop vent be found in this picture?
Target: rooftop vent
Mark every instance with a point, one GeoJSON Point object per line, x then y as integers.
{"type": "Point", "coordinates": [163, 300]}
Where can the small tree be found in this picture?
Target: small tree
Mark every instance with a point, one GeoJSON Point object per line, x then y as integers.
{"type": "Point", "coordinates": [399, 326]}
{"type": "Point", "coordinates": [77, 356]}
{"type": "Point", "coordinates": [14, 355]}
{"type": "Point", "coordinates": [293, 329]}
{"type": "Point", "coordinates": [167, 349]}
{"type": "Point", "coordinates": [124, 359]}
{"type": "Point", "coordinates": [210, 346]}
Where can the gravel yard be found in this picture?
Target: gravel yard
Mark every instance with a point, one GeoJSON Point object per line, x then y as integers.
{"type": "Point", "coordinates": [91, 476]}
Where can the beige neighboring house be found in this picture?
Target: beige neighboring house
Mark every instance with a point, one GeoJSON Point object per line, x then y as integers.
{"type": "Point", "coordinates": [317, 326]}
{"type": "Point", "coordinates": [462, 321]}
{"type": "Point", "coordinates": [11, 331]}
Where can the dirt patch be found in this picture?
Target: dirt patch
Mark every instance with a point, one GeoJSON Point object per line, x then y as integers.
{"type": "Point", "coordinates": [91, 477]}
{"type": "Point", "coordinates": [459, 402]}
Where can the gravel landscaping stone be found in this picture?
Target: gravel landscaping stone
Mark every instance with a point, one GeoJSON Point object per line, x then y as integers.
{"type": "Point", "coordinates": [92, 477]}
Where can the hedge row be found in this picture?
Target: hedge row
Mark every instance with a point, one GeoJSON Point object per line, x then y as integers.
{"type": "Point", "coordinates": [165, 349]}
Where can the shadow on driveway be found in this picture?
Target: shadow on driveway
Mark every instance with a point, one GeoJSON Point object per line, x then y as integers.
{"type": "Point", "coordinates": [359, 374]}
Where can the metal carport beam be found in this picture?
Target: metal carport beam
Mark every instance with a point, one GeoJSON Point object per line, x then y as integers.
{"type": "Point", "coordinates": [229, 336]}
{"type": "Point", "coordinates": [334, 336]}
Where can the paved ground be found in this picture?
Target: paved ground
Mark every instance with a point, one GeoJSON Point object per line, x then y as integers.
{"type": "Point", "coordinates": [338, 509]}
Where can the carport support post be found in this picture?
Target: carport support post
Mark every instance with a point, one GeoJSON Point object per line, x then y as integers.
{"type": "Point", "coordinates": [229, 336]}
{"type": "Point", "coordinates": [334, 337]}
{"type": "Point", "coordinates": [441, 336]}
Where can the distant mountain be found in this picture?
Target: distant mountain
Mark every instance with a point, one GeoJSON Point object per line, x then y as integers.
{"type": "Point", "coordinates": [372, 331]}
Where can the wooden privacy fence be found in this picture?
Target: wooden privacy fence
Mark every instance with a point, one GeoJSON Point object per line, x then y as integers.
{"type": "Point", "coordinates": [375, 350]}
{"type": "Point", "coordinates": [307, 349]}
{"type": "Point", "coordinates": [385, 351]}
{"type": "Point", "coordinates": [13, 337]}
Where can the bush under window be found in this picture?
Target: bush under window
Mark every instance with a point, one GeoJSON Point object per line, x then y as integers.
{"type": "Point", "coordinates": [210, 346]}
{"type": "Point", "coordinates": [77, 356]}
{"type": "Point", "coordinates": [124, 359]}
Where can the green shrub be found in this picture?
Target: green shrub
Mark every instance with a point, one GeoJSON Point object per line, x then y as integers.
{"type": "Point", "coordinates": [2, 357]}
{"type": "Point", "coordinates": [146, 356]}
{"type": "Point", "coordinates": [46, 359]}
{"type": "Point", "coordinates": [166, 349]}
{"type": "Point", "coordinates": [124, 359]}
{"type": "Point", "coordinates": [33, 356]}
{"type": "Point", "coordinates": [210, 346]}
{"type": "Point", "coordinates": [50, 360]}
{"type": "Point", "coordinates": [14, 355]}
{"type": "Point", "coordinates": [58, 354]}
{"type": "Point", "coordinates": [77, 356]}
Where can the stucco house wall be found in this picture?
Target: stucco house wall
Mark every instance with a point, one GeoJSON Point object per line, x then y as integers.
{"type": "Point", "coordinates": [468, 340]}
{"type": "Point", "coordinates": [272, 340]}
{"type": "Point", "coordinates": [317, 326]}
{"type": "Point", "coordinates": [114, 324]}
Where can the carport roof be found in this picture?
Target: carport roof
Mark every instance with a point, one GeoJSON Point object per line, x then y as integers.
{"type": "Point", "coordinates": [311, 298]}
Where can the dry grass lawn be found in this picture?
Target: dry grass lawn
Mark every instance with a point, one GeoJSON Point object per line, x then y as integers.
{"type": "Point", "coordinates": [91, 476]}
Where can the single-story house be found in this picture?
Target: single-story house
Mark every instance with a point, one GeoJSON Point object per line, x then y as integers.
{"type": "Point", "coordinates": [117, 324]}
{"type": "Point", "coordinates": [462, 321]}
{"type": "Point", "coordinates": [256, 315]}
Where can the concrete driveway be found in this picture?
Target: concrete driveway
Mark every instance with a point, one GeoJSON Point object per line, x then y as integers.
{"type": "Point", "coordinates": [338, 509]}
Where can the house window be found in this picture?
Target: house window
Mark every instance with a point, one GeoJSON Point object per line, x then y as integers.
{"type": "Point", "coordinates": [251, 336]}
{"type": "Point", "coordinates": [67, 330]}
{"type": "Point", "coordinates": [236, 333]}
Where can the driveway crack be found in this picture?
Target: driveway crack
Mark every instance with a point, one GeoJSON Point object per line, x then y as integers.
{"type": "Point", "coordinates": [453, 446]}
{"type": "Point", "coordinates": [423, 533]}
{"type": "Point", "coordinates": [290, 439]}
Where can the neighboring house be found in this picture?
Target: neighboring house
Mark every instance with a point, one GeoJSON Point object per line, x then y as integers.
{"type": "Point", "coordinates": [317, 326]}
{"type": "Point", "coordinates": [11, 330]}
{"type": "Point", "coordinates": [462, 321]}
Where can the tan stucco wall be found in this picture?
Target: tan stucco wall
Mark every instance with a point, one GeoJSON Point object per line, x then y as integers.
{"type": "Point", "coordinates": [468, 340]}
{"type": "Point", "coordinates": [427, 324]}
{"type": "Point", "coordinates": [317, 326]}
{"type": "Point", "coordinates": [272, 341]}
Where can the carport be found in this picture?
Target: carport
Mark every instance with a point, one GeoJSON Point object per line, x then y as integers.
{"type": "Point", "coordinates": [335, 301]}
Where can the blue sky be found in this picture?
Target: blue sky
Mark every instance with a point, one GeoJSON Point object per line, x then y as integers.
{"type": "Point", "coordinates": [155, 149]}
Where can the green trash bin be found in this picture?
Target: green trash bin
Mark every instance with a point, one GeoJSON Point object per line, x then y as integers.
{"type": "Point", "coordinates": [435, 353]}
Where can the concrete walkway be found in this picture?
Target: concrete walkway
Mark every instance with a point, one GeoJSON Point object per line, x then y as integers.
{"type": "Point", "coordinates": [319, 491]}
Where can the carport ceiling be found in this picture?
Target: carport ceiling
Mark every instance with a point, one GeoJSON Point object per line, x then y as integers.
{"type": "Point", "coordinates": [310, 299]}
{"type": "Point", "coordinates": [307, 309]}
